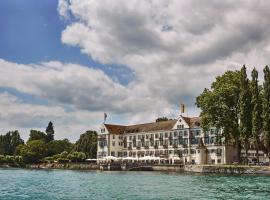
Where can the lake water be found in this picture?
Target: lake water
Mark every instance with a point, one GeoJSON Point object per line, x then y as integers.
{"type": "Point", "coordinates": [22, 184]}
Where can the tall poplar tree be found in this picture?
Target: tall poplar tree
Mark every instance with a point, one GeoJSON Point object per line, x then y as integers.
{"type": "Point", "coordinates": [50, 132]}
{"type": "Point", "coordinates": [266, 108]}
{"type": "Point", "coordinates": [245, 110]}
{"type": "Point", "coordinates": [256, 111]}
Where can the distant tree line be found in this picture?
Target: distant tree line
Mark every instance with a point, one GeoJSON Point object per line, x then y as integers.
{"type": "Point", "coordinates": [41, 146]}
{"type": "Point", "coordinates": [241, 108]}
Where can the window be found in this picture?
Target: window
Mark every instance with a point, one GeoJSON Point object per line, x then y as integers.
{"type": "Point", "coordinates": [213, 161]}
{"type": "Point", "coordinates": [219, 161]}
{"type": "Point", "coordinates": [156, 135]}
{"type": "Point", "coordinates": [130, 137]}
{"type": "Point", "coordinates": [185, 141]}
{"type": "Point", "coordinates": [206, 140]}
{"type": "Point", "coordinates": [185, 133]}
{"type": "Point", "coordinates": [112, 153]}
{"type": "Point", "coordinates": [113, 137]}
{"type": "Point", "coordinates": [197, 132]}
{"type": "Point", "coordinates": [139, 137]}
{"type": "Point", "coordinates": [161, 135]}
{"type": "Point", "coordinates": [166, 135]}
{"type": "Point", "coordinates": [175, 134]}
{"type": "Point", "coordinates": [113, 143]}
{"type": "Point", "coordinates": [102, 130]}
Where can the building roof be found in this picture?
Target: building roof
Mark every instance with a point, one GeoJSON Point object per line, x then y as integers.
{"type": "Point", "coordinates": [148, 127]}
{"type": "Point", "coordinates": [193, 121]}
{"type": "Point", "coordinates": [154, 126]}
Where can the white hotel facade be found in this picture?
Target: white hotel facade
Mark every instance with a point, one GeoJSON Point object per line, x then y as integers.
{"type": "Point", "coordinates": [182, 137]}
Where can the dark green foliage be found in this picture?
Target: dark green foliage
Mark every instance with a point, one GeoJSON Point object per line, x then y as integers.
{"type": "Point", "coordinates": [76, 156]}
{"type": "Point", "coordinates": [50, 132]}
{"type": "Point", "coordinates": [160, 119]}
{"type": "Point", "coordinates": [256, 111]}
{"type": "Point", "coordinates": [266, 108]}
{"type": "Point", "coordinates": [37, 135]}
{"type": "Point", "coordinates": [9, 142]}
{"type": "Point", "coordinates": [11, 160]}
{"type": "Point", "coordinates": [220, 106]}
{"type": "Point", "coordinates": [245, 110]}
{"type": "Point", "coordinates": [33, 152]}
{"type": "Point", "coordinates": [59, 146]}
{"type": "Point", "coordinates": [87, 144]}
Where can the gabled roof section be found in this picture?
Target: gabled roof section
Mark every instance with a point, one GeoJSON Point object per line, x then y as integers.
{"type": "Point", "coordinates": [115, 129]}
{"type": "Point", "coordinates": [193, 121]}
{"type": "Point", "coordinates": [148, 127]}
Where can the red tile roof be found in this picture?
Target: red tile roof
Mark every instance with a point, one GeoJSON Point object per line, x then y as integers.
{"type": "Point", "coordinates": [148, 127]}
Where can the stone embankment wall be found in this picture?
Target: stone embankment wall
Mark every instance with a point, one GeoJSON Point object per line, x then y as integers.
{"type": "Point", "coordinates": [227, 169]}
{"type": "Point", "coordinates": [78, 166]}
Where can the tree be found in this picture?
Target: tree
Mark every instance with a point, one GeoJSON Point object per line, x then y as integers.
{"type": "Point", "coordinates": [37, 135]}
{"type": "Point", "coordinates": [220, 107]}
{"type": "Point", "coordinates": [266, 109]}
{"type": "Point", "coordinates": [256, 111]}
{"type": "Point", "coordinates": [32, 152]}
{"type": "Point", "coordinates": [50, 132]}
{"type": "Point", "coordinates": [160, 119]}
{"type": "Point", "coordinates": [87, 144]}
{"type": "Point", "coordinates": [9, 142]}
{"type": "Point", "coordinates": [76, 156]}
{"type": "Point", "coordinates": [245, 109]}
{"type": "Point", "coordinates": [58, 146]}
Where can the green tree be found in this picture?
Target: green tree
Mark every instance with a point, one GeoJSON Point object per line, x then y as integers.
{"type": "Point", "coordinates": [87, 144]}
{"type": "Point", "coordinates": [50, 132]}
{"type": "Point", "coordinates": [220, 107]}
{"type": "Point", "coordinates": [245, 109]}
{"type": "Point", "coordinates": [77, 156]}
{"type": "Point", "coordinates": [37, 135]}
{"type": "Point", "coordinates": [58, 146]}
{"type": "Point", "coordinates": [256, 111]}
{"type": "Point", "coordinates": [160, 119]}
{"type": "Point", "coordinates": [266, 109]}
{"type": "Point", "coordinates": [32, 152]}
{"type": "Point", "coordinates": [9, 142]}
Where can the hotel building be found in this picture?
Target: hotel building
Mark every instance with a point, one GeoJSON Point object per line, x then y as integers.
{"type": "Point", "coordinates": [182, 137]}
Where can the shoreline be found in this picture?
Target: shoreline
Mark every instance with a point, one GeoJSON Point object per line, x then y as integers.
{"type": "Point", "coordinates": [204, 169]}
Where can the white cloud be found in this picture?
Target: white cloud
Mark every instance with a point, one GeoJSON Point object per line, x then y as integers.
{"type": "Point", "coordinates": [173, 48]}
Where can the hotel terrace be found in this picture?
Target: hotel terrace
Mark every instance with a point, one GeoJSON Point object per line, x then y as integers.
{"type": "Point", "coordinates": [181, 138]}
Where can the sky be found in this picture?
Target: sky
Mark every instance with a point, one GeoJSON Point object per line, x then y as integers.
{"type": "Point", "coordinates": [69, 61]}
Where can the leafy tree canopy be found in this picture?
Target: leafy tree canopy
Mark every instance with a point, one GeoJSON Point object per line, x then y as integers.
{"type": "Point", "coordinates": [161, 119]}
{"type": "Point", "coordinates": [37, 135]}
{"type": "Point", "coordinates": [87, 144]}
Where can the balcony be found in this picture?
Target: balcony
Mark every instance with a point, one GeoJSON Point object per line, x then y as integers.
{"type": "Point", "coordinates": [160, 138]}
{"type": "Point", "coordinates": [129, 148]}
{"type": "Point", "coordinates": [175, 146]}
{"type": "Point", "coordinates": [156, 147]}
{"type": "Point", "coordinates": [146, 147]}
{"type": "Point", "coordinates": [138, 148]}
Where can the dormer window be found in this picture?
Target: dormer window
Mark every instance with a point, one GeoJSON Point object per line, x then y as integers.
{"type": "Point", "coordinates": [102, 130]}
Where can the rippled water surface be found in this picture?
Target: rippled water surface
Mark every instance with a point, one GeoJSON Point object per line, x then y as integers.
{"type": "Point", "coordinates": [66, 184]}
